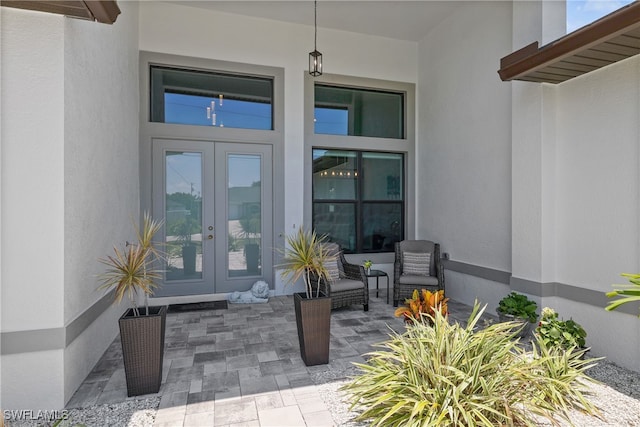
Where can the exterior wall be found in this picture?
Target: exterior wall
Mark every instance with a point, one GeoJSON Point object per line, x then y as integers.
{"type": "Point", "coordinates": [70, 187]}
{"type": "Point", "coordinates": [543, 199]}
{"type": "Point", "coordinates": [195, 32]}
{"type": "Point", "coordinates": [32, 199]}
{"type": "Point", "coordinates": [598, 200]}
{"type": "Point", "coordinates": [464, 148]}
{"type": "Point", "coordinates": [101, 199]}
{"type": "Point", "coordinates": [0, 209]}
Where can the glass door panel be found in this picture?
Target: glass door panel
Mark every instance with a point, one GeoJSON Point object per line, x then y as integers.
{"type": "Point", "coordinates": [183, 198]}
{"type": "Point", "coordinates": [244, 242]}
{"type": "Point", "coordinates": [183, 215]}
{"type": "Point", "coordinates": [244, 214]}
{"type": "Point", "coordinates": [216, 201]}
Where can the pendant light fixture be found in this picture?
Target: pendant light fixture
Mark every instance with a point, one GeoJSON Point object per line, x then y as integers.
{"type": "Point", "coordinates": [315, 57]}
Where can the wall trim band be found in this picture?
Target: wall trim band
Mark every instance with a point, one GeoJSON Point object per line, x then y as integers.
{"type": "Point", "coordinates": [59, 338]}
{"type": "Point", "coordinates": [54, 338]}
{"type": "Point", "coordinates": [539, 289]}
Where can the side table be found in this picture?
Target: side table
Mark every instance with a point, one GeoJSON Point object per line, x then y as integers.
{"type": "Point", "coordinates": [378, 274]}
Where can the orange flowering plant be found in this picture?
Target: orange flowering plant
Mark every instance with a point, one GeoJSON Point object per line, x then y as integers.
{"type": "Point", "coordinates": [423, 306]}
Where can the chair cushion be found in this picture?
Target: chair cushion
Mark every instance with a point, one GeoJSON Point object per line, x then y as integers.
{"type": "Point", "coordinates": [333, 270]}
{"type": "Point", "coordinates": [420, 246]}
{"type": "Point", "coordinates": [334, 250]}
{"type": "Point", "coordinates": [346, 285]}
{"type": "Point", "coordinates": [408, 279]}
{"type": "Point", "coordinates": [416, 263]}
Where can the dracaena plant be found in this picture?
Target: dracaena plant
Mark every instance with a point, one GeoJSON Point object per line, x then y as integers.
{"type": "Point", "coordinates": [303, 256]}
{"type": "Point", "coordinates": [422, 306]}
{"type": "Point", "coordinates": [135, 268]}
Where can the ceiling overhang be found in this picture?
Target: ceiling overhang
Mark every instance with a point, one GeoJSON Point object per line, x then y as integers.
{"type": "Point", "coordinates": [608, 40]}
{"type": "Point", "coordinates": [103, 11]}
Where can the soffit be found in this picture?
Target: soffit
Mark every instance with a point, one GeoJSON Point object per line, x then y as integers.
{"type": "Point", "coordinates": [408, 20]}
{"type": "Point", "coordinates": [608, 40]}
{"type": "Point", "coordinates": [103, 11]}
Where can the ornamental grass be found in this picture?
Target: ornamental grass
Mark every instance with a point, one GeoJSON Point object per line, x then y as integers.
{"type": "Point", "coordinates": [450, 375]}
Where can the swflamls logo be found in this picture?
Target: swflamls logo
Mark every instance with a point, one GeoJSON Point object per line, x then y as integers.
{"type": "Point", "coordinates": [32, 415]}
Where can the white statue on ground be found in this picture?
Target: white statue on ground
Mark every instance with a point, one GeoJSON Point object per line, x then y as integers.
{"type": "Point", "coordinates": [259, 292]}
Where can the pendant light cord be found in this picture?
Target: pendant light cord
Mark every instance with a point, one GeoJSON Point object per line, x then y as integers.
{"type": "Point", "coordinates": [315, 24]}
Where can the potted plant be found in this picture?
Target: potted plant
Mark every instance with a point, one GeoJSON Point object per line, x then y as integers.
{"type": "Point", "coordinates": [422, 307]}
{"type": "Point", "coordinates": [303, 256]}
{"type": "Point", "coordinates": [516, 307]}
{"type": "Point", "coordinates": [554, 332]}
{"type": "Point", "coordinates": [251, 225]}
{"type": "Point", "coordinates": [131, 271]}
{"type": "Point", "coordinates": [367, 263]}
{"type": "Point", "coordinates": [184, 229]}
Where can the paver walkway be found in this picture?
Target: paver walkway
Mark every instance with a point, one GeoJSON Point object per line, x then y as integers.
{"type": "Point", "coordinates": [241, 366]}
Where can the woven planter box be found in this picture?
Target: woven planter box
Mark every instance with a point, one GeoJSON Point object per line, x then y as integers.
{"type": "Point", "coordinates": [313, 317]}
{"type": "Point", "coordinates": [142, 340]}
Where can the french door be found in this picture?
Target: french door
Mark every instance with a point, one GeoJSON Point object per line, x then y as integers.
{"type": "Point", "coordinates": [216, 202]}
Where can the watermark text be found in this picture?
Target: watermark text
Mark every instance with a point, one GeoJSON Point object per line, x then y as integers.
{"type": "Point", "coordinates": [34, 415]}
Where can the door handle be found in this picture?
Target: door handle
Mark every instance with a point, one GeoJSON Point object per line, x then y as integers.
{"type": "Point", "coordinates": [210, 236]}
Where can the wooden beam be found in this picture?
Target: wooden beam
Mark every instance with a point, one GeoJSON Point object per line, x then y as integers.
{"type": "Point", "coordinates": [104, 11]}
{"type": "Point", "coordinates": [527, 60]}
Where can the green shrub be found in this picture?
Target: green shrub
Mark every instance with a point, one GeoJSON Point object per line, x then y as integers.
{"type": "Point", "coordinates": [518, 305]}
{"type": "Point", "coordinates": [554, 332]}
{"type": "Point", "coordinates": [449, 375]}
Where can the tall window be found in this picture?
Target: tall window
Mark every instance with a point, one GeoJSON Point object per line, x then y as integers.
{"type": "Point", "coordinates": [359, 166]}
{"type": "Point", "coordinates": [358, 198]}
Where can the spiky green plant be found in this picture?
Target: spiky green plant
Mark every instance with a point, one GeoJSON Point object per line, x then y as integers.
{"type": "Point", "coordinates": [449, 375]}
{"type": "Point", "coordinates": [134, 269]}
{"type": "Point", "coordinates": [629, 292]}
{"type": "Point", "coordinates": [303, 256]}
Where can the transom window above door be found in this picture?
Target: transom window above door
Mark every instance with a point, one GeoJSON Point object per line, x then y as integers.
{"type": "Point", "coordinates": [207, 98]}
{"type": "Point", "coordinates": [357, 111]}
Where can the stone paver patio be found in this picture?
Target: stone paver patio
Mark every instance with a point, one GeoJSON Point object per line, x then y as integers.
{"type": "Point", "coordinates": [242, 365]}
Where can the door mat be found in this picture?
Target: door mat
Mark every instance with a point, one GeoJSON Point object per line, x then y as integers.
{"type": "Point", "coordinates": [196, 306]}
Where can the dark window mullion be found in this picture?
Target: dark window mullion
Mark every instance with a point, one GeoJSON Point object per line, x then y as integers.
{"type": "Point", "coordinates": [358, 210]}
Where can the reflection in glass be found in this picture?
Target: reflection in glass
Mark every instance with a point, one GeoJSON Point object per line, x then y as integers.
{"type": "Point", "coordinates": [382, 176]}
{"type": "Point", "coordinates": [382, 226]}
{"type": "Point", "coordinates": [208, 98]}
{"type": "Point", "coordinates": [338, 221]}
{"type": "Point", "coordinates": [197, 110]}
{"type": "Point", "coordinates": [331, 121]}
{"type": "Point", "coordinates": [358, 112]}
{"type": "Point", "coordinates": [244, 201]}
{"type": "Point", "coordinates": [335, 174]}
{"type": "Point", "coordinates": [358, 198]}
{"type": "Point", "coordinates": [183, 215]}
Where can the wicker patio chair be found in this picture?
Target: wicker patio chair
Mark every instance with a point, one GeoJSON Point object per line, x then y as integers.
{"type": "Point", "coordinates": [409, 274]}
{"type": "Point", "coordinates": [349, 286]}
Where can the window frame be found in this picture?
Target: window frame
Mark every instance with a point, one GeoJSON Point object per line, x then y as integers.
{"type": "Point", "coordinates": [155, 130]}
{"type": "Point", "coordinates": [157, 96]}
{"type": "Point", "coordinates": [360, 201]}
{"type": "Point", "coordinates": [405, 146]}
